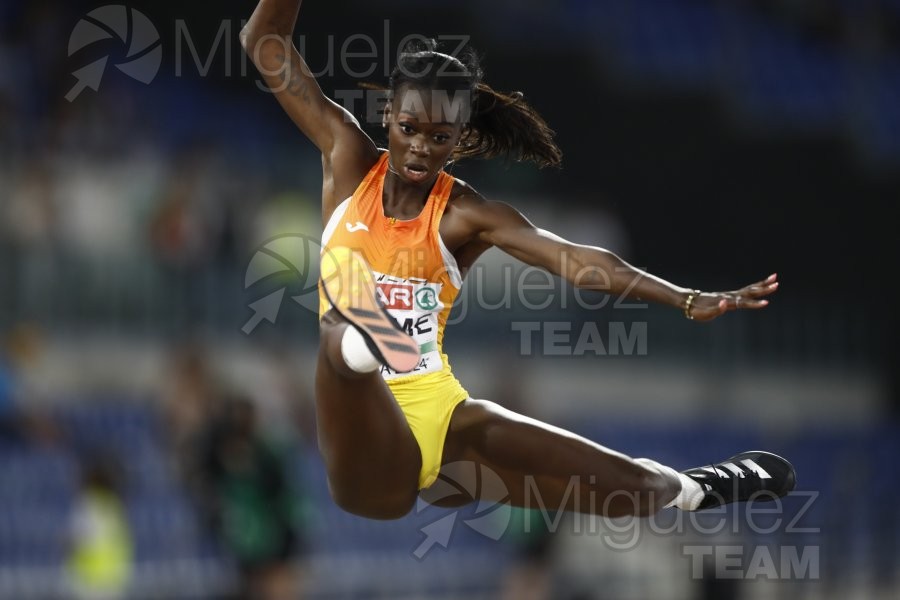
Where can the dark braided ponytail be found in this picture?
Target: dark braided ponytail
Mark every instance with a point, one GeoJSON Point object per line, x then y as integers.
{"type": "Point", "coordinates": [499, 125]}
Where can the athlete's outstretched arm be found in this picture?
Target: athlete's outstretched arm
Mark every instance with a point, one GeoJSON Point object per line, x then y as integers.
{"type": "Point", "coordinates": [590, 267]}
{"type": "Point", "coordinates": [335, 131]}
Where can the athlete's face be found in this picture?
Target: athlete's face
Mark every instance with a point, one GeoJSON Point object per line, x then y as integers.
{"type": "Point", "coordinates": [423, 127]}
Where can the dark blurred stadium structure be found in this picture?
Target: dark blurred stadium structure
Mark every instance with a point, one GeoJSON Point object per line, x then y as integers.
{"type": "Point", "coordinates": [712, 142]}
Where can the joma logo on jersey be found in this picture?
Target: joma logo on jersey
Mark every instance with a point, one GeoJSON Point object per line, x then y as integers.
{"type": "Point", "coordinates": [397, 296]}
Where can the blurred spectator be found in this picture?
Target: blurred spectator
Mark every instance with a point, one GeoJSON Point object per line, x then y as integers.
{"type": "Point", "coordinates": [251, 503]}
{"type": "Point", "coordinates": [528, 533]}
{"type": "Point", "coordinates": [30, 216]}
{"type": "Point", "coordinates": [188, 404]}
{"type": "Point", "coordinates": [101, 551]}
{"type": "Point", "coordinates": [190, 230]}
{"type": "Point", "coordinates": [715, 587]}
{"type": "Point", "coordinates": [21, 416]}
{"type": "Point", "coordinates": [186, 223]}
{"type": "Point", "coordinates": [8, 392]}
{"type": "Point", "coordinates": [11, 134]}
{"type": "Point", "coordinates": [529, 577]}
{"type": "Point", "coordinates": [284, 401]}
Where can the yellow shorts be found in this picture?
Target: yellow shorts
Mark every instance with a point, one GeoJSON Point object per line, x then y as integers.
{"type": "Point", "coordinates": [428, 402]}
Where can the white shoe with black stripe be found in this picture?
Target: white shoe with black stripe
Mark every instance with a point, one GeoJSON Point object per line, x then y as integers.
{"type": "Point", "coordinates": [749, 476]}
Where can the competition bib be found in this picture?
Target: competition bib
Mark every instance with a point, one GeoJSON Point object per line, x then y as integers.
{"type": "Point", "coordinates": [415, 305]}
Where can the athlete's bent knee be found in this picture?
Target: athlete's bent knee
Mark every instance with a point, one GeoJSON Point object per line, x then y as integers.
{"type": "Point", "coordinates": [373, 504]}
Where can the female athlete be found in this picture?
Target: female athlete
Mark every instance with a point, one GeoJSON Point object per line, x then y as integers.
{"type": "Point", "coordinates": [400, 235]}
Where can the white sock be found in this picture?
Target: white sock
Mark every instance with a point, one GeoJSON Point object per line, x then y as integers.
{"type": "Point", "coordinates": [356, 353]}
{"type": "Point", "coordinates": [691, 494]}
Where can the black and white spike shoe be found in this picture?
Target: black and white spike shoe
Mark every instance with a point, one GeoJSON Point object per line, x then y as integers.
{"type": "Point", "coordinates": [756, 475]}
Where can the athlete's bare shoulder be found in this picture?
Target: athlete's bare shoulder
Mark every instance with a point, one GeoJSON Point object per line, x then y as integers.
{"type": "Point", "coordinates": [459, 225]}
{"type": "Point", "coordinates": [464, 195]}
{"type": "Point", "coordinates": [475, 220]}
{"type": "Point", "coordinates": [343, 170]}
{"type": "Point", "coordinates": [470, 205]}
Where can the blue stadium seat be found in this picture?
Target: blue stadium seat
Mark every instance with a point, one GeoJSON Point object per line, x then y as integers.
{"type": "Point", "coordinates": [788, 81]}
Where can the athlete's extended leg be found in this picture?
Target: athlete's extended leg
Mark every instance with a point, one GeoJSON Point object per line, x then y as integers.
{"type": "Point", "coordinates": [370, 453]}
{"type": "Point", "coordinates": [545, 467]}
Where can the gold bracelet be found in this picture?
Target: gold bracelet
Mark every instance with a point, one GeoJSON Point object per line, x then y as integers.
{"type": "Point", "coordinates": [689, 303]}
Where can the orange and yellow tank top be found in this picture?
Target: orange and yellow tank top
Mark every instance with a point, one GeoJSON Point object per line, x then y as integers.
{"type": "Point", "coordinates": [417, 277]}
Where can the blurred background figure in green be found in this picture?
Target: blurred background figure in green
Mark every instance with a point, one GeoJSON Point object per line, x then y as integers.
{"type": "Point", "coordinates": [250, 502]}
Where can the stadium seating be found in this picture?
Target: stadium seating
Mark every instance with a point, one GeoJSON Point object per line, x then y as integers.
{"type": "Point", "coordinates": [771, 74]}
{"type": "Point", "coordinates": [348, 556]}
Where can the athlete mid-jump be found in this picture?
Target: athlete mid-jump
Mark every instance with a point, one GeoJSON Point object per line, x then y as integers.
{"type": "Point", "coordinates": [400, 235]}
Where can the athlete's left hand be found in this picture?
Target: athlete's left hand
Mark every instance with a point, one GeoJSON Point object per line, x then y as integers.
{"type": "Point", "coordinates": [709, 305]}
